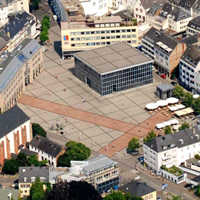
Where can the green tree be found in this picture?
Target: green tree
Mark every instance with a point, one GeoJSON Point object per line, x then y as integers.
{"type": "Point", "coordinates": [34, 4]}
{"type": "Point", "coordinates": [74, 151]}
{"type": "Point", "coordinates": [44, 36]}
{"type": "Point", "coordinates": [38, 130]}
{"type": "Point", "coordinates": [10, 167]}
{"type": "Point", "coordinates": [168, 130]}
{"type": "Point", "coordinates": [151, 135]}
{"type": "Point", "coordinates": [45, 22]}
{"type": "Point", "coordinates": [115, 196]}
{"type": "Point", "coordinates": [185, 125]}
{"type": "Point", "coordinates": [178, 92]}
{"type": "Point", "coordinates": [37, 190]}
{"type": "Point", "coordinates": [176, 198]}
{"type": "Point", "coordinates": [133, 144]}
{"type": "Point", "coordinates": [74, 190]}
{"type": "Point", "coordinates": [188, 99]}
{"type": "Point", "coordinates": [196, 106]}
{"type": "Point", "coordinates": [197, 190]}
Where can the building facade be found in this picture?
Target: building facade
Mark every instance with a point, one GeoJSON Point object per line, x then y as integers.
{"type": "Point", "coordinates": [98, 33]}
{"type": "Point", "coordinates": [46, 150]}
{"type": "Point", "coordinates": [193, 26]}
{"type": "Point", "coordinates": [19, 27]}
{"type": "Point", "coordinates": [28, 175]}
{"type": "Point", "coordinates": [100, 171]}
{"type": "Point", "coordinates": [18, 70]}
{"type": "Point", "coordinates": [113, 68]}
{"type": "Point", "coordinates": [15, 130]}
{"type": "Point", "coordinates": [189, 69]}
{"type": "Point", "coordinates": [165, 50]}
{"type": "Point", "coordinates": [10, 7]}
{"type": "Point", "coordinates": [173, 149]}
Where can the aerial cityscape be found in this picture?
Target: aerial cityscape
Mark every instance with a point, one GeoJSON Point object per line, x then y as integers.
{"type": "Point", "coordinates": [99, 99]}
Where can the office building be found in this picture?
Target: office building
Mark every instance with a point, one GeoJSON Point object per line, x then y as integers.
{"type": "Point", "coordinates": [94, 33]}
{"type": "Point", "coordinates": [18, 69]}
{"type": "Point", "coordinates": [15, 131]}
{"type": "Point", "coordinates": [100, 171]}
{"type": "Point", "coordinates": [28, 175]}
{"type": "Point", "coordinates": [113, 68]}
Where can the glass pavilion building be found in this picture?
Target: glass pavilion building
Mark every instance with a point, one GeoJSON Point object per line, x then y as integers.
{"type": "Point", "coordinates": [113, 68]}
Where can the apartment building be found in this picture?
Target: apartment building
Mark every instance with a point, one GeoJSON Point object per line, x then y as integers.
{"type": "Point", "coordinates": [190, 6]}
{"type": "Point", "coordinates": [177, 18]}
{"type": "Point", "coordinates": [15, 130]}
{"type": "Point", "coordinates": [46, 150]}
{"type": "Point", "coordinates": [189, 69]}
{"type": "Point", "coordinates": [28, 175]}
{"type": "Point", "coordinates": [193, 26]}
{"type": "Point", "coordinates": [164, 49]}
{"type": "Point", "coordinates": [10, 7]}
{"type": "Point", "coordinates": [93, 33]}
{"type": "Point", "coordinates": [20, 26]}
{"type": "Point", "coordinates": [172, 149]}
{"type": "Point", "coordinates": [18, 69]}
{"type": "Point", "coordinates": [100, 171]}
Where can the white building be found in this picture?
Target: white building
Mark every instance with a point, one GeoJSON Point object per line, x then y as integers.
{"type": "Point", "coordinates": [189, 69]}
{"type": "Point", "coordinates": [10, 7]}
{"type": "Point", "coordinates": [193, 26]}
{"type": "Point", "coordinates": [15, 130]}
{"type": "Point", "coordinates": [46, 149]}
{"type": "Point", "coordinates": [100, 171]}
{"type": "Point", "coordinates": [172, 149]}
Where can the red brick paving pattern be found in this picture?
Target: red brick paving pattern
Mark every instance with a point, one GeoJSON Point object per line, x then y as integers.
{"type": "Point", "coordinates": [130, 130]}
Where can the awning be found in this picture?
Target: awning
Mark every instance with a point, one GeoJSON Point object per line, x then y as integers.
{"type": "Point", "coordinates": [183, 112]}
{"type": "Point", "coordinates": [151, 106]}
{"type": "Point", "coordinates": [172, 100]}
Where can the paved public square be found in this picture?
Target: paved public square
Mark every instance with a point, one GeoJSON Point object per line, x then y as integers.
{"type": "Point", "coordinates": [57, 84]}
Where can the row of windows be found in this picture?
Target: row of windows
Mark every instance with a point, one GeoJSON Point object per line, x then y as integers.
{"type": "Point", "coordinates": [97, 43]}
{"type": "Point", "coordinates": [103, 32]}
{"type": "Point", "coordinates": [186, 66]}
{"type": "Point", "coordinates": [103, 37]}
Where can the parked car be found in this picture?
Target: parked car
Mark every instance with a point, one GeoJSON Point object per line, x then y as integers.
{"type": "Point", "coordinates": [133, 153]}
{"type": "Point", "coordinates": [173, 83]}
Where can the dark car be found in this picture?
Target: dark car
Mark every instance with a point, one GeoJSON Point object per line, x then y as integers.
{"type": "Point", "coordinates": [173, 83]}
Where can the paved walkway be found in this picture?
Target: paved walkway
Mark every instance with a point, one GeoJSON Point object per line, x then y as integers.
{"type": "Point", "coordinates": [130, 130]}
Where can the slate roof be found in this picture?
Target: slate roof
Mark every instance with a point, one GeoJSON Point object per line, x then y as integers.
{"type": "Point", "coordinates": [13, 62]}
{"type": "Point", "coordinates": [176, 13]}
{"type": "Point", "coordinates": [46, 145]}
{"type": "Point", "coordinates": [192, 55]}
{"type": "Point", "coordinates": [154, 8]}
{"type": "Point", "coordinates": [179, 139]}
{"type": "Point", "coordinates": [11, 119]}
{"type": "Point", "coordinates": [136, 188]}
{"type": "Point", "coordinates": [187, 4]}
{"type": "Point", "coordinates": [15, 24]}
{"type": "Point", "coordinates": [37, 172]}
{"type": "Point", "coordinates": [154, 36]}
{"type": "Point", "coordinates": [191, 39]}
{"type": "Point", "coordinates": [195, 23]}
{"type": "Point", "coordinates": [98, 163]}
{"type": "Point", "coordinates": [148, 3]}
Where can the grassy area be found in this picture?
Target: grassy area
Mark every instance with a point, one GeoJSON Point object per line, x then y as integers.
{"type": "Point", "coordinates": [173, 170]}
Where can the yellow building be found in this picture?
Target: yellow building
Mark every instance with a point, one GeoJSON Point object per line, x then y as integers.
{"type": "Point", "coordinates": [87, 33]}
{"type": "Point", "coordinates": [140, 189]}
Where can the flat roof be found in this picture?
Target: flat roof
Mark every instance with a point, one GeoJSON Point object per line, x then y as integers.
{"type": "Point", "coordinates": [112, 58]}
